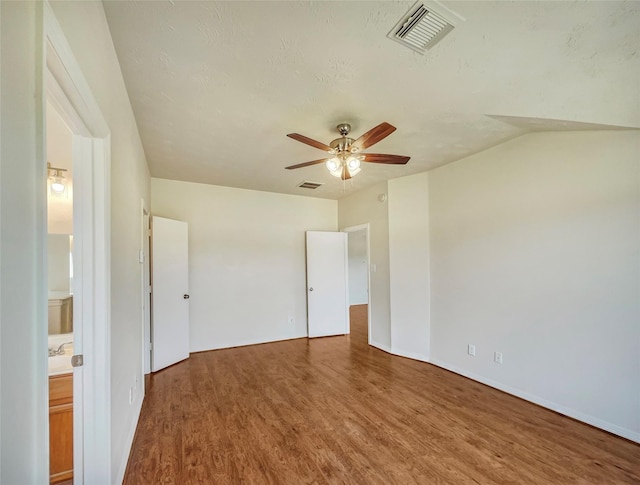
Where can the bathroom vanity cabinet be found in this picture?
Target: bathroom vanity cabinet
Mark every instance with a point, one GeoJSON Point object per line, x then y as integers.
{"type": "Point", "coordinates": [61, 427]}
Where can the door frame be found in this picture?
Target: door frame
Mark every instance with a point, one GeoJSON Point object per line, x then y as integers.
{"type": "Point", "coordinates": [64, 85]}
{"type": "Point", "coordinates": [145, 261]}
{"type": "Point", "coordinates": [366, 228]}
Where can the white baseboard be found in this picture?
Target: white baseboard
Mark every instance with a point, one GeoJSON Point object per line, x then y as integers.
{"type": "Point", "coordinates": [386, 348]}
{"type": "Point", "coordinates": [244, 343]}
{"type": "Point", "coordinates": [410, 355]}
{"type": "Point", "coordinates": [400, 353]}
{"type": "Point", "coordinates": [572, 413]}
{"type": "Point", "coordinates": [129, 443]}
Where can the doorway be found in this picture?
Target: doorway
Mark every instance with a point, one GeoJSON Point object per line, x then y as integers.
{"type": "Point", "coordinates": [145, 280]}
{"type": "Point", "coordinates": [60, 322]}
{"type": "Point", "coordinates": [359, 282]}
{"type": "Point", "coordinates": [65, 88]}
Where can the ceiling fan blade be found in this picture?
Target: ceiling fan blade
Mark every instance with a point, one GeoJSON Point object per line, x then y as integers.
{"type": "Point", "coordinates": [345, 173]}
{"type": "Point", "coordinates": [309, 141]}
{"type": "Point", "coordinates": [381, 158]}
{"type": "Point", "coordinates": [373, 136]}
{"type": "Point", "coordinates": [306, 164]}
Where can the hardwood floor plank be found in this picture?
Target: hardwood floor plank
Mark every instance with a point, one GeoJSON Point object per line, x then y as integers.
{"type": "Point", "coordinates": [335, 410]}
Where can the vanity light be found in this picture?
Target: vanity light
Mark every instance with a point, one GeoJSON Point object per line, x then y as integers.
{"type": "Point", "coordinates": [57, 182]}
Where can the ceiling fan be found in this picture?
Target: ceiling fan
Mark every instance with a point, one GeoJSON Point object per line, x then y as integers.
{"type": "Point", "coordinates": [345, 153]}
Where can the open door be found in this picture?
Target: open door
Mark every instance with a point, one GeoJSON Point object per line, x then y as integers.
{"type": "Point", "coordinates": [327, 302]}
{"type": "Point", "coordinates": [170, 292]}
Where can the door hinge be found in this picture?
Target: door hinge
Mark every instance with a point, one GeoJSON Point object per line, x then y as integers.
{"type": "Point", "coordinates": [77, 360]}
{"type": "Point", "coordinates": [149, 289]}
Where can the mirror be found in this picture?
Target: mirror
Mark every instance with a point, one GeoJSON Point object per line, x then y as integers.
{"type": "Point", "coordinates": [60, 283]}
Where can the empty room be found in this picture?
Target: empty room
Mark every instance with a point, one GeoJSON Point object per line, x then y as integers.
{"type": "Point", "coordinates": [319, 242]}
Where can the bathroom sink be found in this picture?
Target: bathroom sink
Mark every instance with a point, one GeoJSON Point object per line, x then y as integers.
{"type": "Point", "coordinates": [61, 364]}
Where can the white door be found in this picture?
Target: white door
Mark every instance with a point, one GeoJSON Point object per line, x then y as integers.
{"type": "Point", "coordinates": [170, 292]}
{"type": "Point", "coordinates": [328, 311]}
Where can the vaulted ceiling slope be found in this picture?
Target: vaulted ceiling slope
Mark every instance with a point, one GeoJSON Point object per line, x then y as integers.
{"type": "Point", "coordinates": [216, 86]}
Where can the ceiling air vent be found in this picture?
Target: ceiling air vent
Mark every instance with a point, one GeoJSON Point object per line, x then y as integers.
{"type": "Point", "coordinates": [309, 185]}
{"type": "Point", "coordinates": [423, 27]}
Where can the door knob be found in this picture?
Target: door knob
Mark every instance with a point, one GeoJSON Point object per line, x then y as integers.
{"type": "Point", "coordinates": [185, 296]}
{"type": "Point", "coordinates": [311, 288]}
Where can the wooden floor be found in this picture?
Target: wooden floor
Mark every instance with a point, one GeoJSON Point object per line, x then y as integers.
{"type": "Point", "coordinates": [334, 410]}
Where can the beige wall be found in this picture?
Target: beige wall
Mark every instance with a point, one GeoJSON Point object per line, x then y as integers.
{"type": "Point", "coordinates": [361, 208]}
{"type": "Point", "coordinates": [59, 154]}
{"type": "Point", "coordinates": [535, 252]}
{"type": "Point", "coordinates": [532, 249]}
{"type": "Point", "coordinates": [409, 265]}
{"type": "Point", "coordinates": [23, 404]}
{"type": "Point", "coordinates": [246, 259]}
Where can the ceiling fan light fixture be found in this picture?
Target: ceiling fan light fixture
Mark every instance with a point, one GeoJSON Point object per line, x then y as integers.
{"type": "Point", "coordinates": [354, 172]}
{"type": "Point", "coordinates": [337, 173]}
{"type": "Point", "coordinates": [345, 158]}
{"type": "Point", "coordinates": [353, 163]}
{"type": "Point", "coordinates": [333, 165]}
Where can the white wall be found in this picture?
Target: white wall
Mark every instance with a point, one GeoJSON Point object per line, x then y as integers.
{"type": "Point", "coordinates": [358, 267]}
{"type": "Point", "coordinates": [409, 265]}
{"type": "Point", "coordinates": [85, 27]}
{"type": "Point", "coordinates": [361, 208]}
{"type": "Point", "coordinates": [246, 259]}
{"type": "Point", "coordinates": [535, 251]}
{"type": "Point", "coordinates": [23, 398]}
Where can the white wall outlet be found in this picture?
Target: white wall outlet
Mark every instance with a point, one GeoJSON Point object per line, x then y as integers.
{"type": "Point", "coordinates": [471, 350]}
{"type": "Point", "coordinates": [497, 357]}
{"type": "Point", "coordinates": [131, 395]}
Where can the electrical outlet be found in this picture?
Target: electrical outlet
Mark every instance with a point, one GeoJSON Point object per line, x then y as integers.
{"type": "Point", "coordinates": [471, 350]}
{"type": "Point", "coordinates": [497, 357]}
{"type": "Point", "coordinates": [131, 395]}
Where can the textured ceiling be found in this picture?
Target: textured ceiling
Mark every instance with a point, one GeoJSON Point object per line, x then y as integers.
{"type": "Point", "coordinates": [216, 86]}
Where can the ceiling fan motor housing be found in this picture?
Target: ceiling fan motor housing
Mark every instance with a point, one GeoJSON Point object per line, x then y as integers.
{"type": "Point", "coordinates": [344, 129]}
{"type": "Point", "coordinates": [343, 144]}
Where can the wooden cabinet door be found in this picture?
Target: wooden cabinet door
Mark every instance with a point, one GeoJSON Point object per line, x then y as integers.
{"type": "Point", "coordinates": [60, 428]}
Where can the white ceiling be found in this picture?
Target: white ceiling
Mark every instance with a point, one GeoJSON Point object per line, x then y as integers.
{"type": "Point", "coordinates": [216, 86]}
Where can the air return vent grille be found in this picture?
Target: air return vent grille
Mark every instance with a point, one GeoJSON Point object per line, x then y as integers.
{"type": "Point", "coordinates": [309, 185]}
{"type": "Point", "coordinates": [422, 28]}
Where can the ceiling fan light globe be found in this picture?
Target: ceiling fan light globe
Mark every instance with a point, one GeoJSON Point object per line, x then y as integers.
{"type": "Point", "coordinates": [353, 172]}
{"type": "Point", "coordinates": [353, 163]}
{"type": "Point", "coordinates": [333, 165]}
